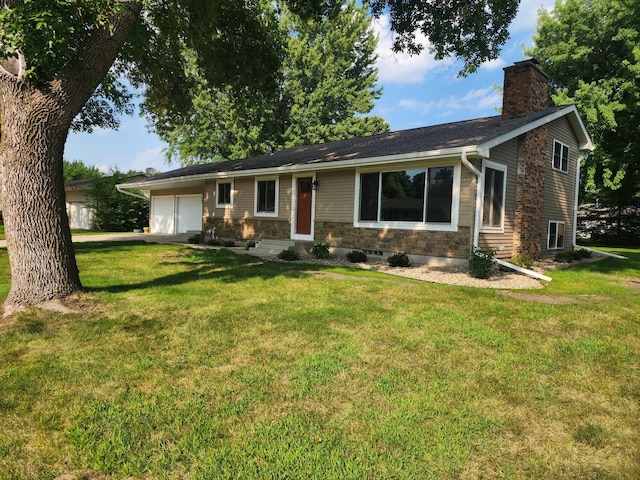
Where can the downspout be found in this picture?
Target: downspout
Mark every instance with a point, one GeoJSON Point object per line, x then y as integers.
{"type": "Point", "coordinates": [478, 224]}
{"type": "Point", "coordinates": [477, 219]}
{"type": "Point", "coordinates": [575, 217]}
{"type": "Point", "coordinates": [121, 190]}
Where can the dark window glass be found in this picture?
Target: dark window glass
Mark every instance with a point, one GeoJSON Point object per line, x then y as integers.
{"type": "Point", "coordinates": [266, 196]}
{"type": "Point", "coordinates": [493, 197]}
{"type": "Point", "coordinates": [560, 156]}
{"type": "Point", "coordinates": [224, 194]}
{"type": "Point", "coordinates": [439, 195]}
{"type": "Point", "coordinates": [369, 183]}
{"type": "Point", "coordinates": [403, 196]}
{"type": "Point", "coordinates": [552, 234]}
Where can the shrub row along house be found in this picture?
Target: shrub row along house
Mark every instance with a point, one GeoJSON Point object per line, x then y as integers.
{"type": "Point", "coordinates": [507, 182]}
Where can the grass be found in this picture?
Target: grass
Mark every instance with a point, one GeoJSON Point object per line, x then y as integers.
{"type": "Point", "coordinates": [198, 364]}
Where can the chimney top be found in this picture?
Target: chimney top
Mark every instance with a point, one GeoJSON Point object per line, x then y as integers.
{"type": "Point", "coordinates": [526, 89]}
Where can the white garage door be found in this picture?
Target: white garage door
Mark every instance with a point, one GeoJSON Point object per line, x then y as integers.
{"type": "Point", "coordinates": [80, 216]}
{"type": "Point", "coordinates": [189, 209]}
{"type": "Point", "coordinates": [162, 214]}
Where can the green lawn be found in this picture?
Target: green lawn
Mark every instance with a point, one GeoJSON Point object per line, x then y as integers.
{"type": "Point", "coordinates": [201, 364]}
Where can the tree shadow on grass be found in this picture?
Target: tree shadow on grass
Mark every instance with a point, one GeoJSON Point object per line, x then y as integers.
{"type": "Point", "coordinates": [222, 265]}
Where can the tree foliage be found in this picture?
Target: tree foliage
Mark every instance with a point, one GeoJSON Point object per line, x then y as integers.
{"type": "Point", "coordinates": [114, 211]}
{"type": "Point", "coordinates": [590, 50]}
{"type": "Point", "coordinates": [77, 170]}
{"type": "Point", "coordinates": [326, 88]}
{"type": "Point", "coordinates": [61, 62]}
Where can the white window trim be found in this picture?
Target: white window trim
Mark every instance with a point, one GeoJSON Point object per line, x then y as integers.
{"type": "Point", "coordinates": [225, 205]}
{"type": "Point", "coordinates": [294, 207]}
{"type": "Point", "coordinates": [418, 226]}
{"type": "Point", "coordinates": [564, 228]}
{"type": "Point", "coordinates": [558, 142]}
{"type": "Point", "coordinates": [494, 166]}
{"type": "Point", "coordinates": [255, 197]}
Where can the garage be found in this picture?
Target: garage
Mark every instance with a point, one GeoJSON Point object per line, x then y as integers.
{"type": "Point", "coordinates": [173, 214]}
{"type": "Point", "coordinates": [80, 216]}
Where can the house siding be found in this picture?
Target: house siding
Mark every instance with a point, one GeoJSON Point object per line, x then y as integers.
{"type": "Point", "coordinates": [335, 196]}
{"type": "Point", "coordinates": [502, 242]}
{"type": "Point", "coordinates": [334, 216]}
{"type": "Point", "coordinates": [559, 187]}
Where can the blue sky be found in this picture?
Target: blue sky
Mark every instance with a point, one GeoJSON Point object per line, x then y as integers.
{"type": "Point", "coordinates": [417, 91]}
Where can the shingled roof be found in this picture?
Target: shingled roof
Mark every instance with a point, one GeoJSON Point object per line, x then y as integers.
{"type": "Point", "coordinates": [446, 136]}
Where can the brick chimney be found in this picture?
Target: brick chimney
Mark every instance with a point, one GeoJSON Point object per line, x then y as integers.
{"type": "Point", "coordinates": [525, 92]}
{"type": "Point", "coordinates": [526, 89]}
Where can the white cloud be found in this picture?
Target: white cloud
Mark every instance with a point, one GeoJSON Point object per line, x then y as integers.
{"type": "Point", "coordinates": [492, 65]}
{"type": "Point", "coordinates": [402, 68]}
{"type": "Point", "coordinates": [472, 101]}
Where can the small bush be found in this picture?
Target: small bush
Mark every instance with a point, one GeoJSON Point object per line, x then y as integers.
{"type": "Point", "coordinates": [229, 243]}
{"type": "Point", "coordinates": [357, 257]}
{"type": "Point", "coordinates": [289, 255]}
{"type": "Point", "coordinates": [249, 244]}
{"type": "Point", "coordinates": [214, 243]}
{"type": "Point", "coordinates": [568, 257]}
{"type": "Point", "coordinates": [320, 250]}
{"type": "Point", "coordinates": [398, 260]}
{"type": "Point", "coordinates": [194, 239]}
{"type": "Point", "coordinates": [523, 261]}
{"type": "Point", "coordinates": [481, 262]}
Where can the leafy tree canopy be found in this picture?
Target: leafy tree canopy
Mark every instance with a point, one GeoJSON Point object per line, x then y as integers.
{"type": "Point", "coordinates": [590, 50]}
{"type": "Point", "coordinates": [327, 85]}
{"type": "Point", "coordinates": [77, 170]}
{"type": "Point", "coordinates": [114, 211]}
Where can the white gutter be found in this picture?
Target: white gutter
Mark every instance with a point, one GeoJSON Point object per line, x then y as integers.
{"type": "Point", "coordinates": [120, 189]}
{"type": "Point", "coordinates": [575, 218]}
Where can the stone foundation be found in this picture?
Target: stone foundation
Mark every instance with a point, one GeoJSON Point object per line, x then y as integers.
{"type": "Point", "coordinates": [426, 243]}
{"type": "Point", "coordinates": [250, 228]}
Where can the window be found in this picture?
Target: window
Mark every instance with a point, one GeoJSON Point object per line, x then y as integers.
{"type": "Point", "coordinates": [223, 194]}
{"type": "Point", "coordinates": [495, 176]}
{"type": "Point", "coordinates": [417, 198]}
{"type": "Point", "coordinates": [556, 235]}
{"type": "Point", "coordinates": [267, 197]}
{"type": "Point", "coordinates": [560, 156]}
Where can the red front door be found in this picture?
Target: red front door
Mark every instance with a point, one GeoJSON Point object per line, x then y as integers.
{"type": "Point", "coordinates": [303, 209]}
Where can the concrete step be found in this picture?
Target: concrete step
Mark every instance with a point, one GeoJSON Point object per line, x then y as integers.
{"type": "Point", "coordinates": [272, 246]}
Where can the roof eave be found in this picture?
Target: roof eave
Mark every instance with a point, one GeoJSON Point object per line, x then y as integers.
{"type": "Point", "coordinates": [312, 165]}
{"type": "Point", "coordinates": [574, 119]}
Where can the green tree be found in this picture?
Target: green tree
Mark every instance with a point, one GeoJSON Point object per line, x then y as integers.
{"type": "Point", "coordinates": [327, 87]}
{"type": "Point", "coordinates": [77, 170]}
{"type": "Point", "coordinates": [114, 211]}
{"type": "Point", "coordinates": [60, 61]}
{"type": "Point", "coordinates": [590, 50]}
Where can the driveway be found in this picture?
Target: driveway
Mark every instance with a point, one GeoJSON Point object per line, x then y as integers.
{"type": "Point", "coordinates": [122, 237]}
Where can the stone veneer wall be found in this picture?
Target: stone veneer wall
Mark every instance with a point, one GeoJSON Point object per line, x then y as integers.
{"type": "Point", "coordinates": [527, 229]}
{"type": "Point", "coordinates": [429, 243]}
{"type": "Point", "coordinates": [250, 228]}
{"type": "Point", "coordinates": [345, 235]}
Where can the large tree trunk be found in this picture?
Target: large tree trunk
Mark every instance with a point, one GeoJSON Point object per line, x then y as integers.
{"type": "Point", "coordinates": [43, 265]}
{"type": "Point", "coordinates": [35, 119]}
